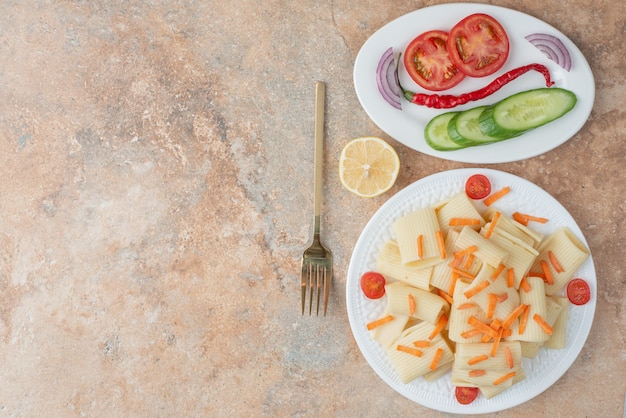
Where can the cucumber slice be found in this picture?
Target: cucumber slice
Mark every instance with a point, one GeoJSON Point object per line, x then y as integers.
{"type": "Point", "coordinates": [464, 130]}
{"type": "Point", "coordinates": [436, 133]}
{"type": "Point", "coordinates": [524, 111]}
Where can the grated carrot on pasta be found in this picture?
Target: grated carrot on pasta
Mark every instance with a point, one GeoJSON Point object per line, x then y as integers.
{"type": "Point", "coordinates": [446, 296]}
{"type": "Point", "coordinates": [477, 373]}
{"type": "Point", "coordinates": [477, 359]}
{"type": "Point", "coordinates": [441, 324]}
{"type": "Point", "coordinates": [508, 321]}
{"type": "Point", "coordinates": [524, 285]}
{"type": "Point", "coordinates": [537, 274]}
{"type": "Point", "coordinates": [471, 333]}
{"type": "Point", "coordinates": [510, 277]}
{"type": "Point", "coordinates": [463, 221]}
{"type": "Point", "coordinates": [482, 327]}
{"type": "Point", "coordinates": [492, 224]}
{"type": "Point", "coordinates": [524, 219]}
{"type": "Point", "coordinates": [497, 271]}
{"type": "Point", "coordinates": [420, 246]}
{"type": "Point", "coordinates": [491, 305]}
{"type": "Point", "coordinates": [555, 262]}
{"type": "Point", "coordinates": [509, 357]}
{"type": "Point", "coordinates": [496, 343]}
{"type": "Point", "coordinates": [520, 218]}
{"type": "Point", "coordinates": [523, 320]}
{"type": "Point", "coordinates": [466, 251]}
{"type": "Point", "coordinates": [503, 297]}
{"type": "Point", "coordinates": [463, 273]}
{"type": "Point", "coordinates": [496, 196]}
{"type": "Point", "coordinates": [475, 290]}
{"type": "Point", "coordinates": [442, 245]}
{"type": "Point", "coordinates": [411, 304]}
{"type": "Point", "coordinates": [410, 350]}
{"type": "Point", "coordinates": [436, 359]}
{"type": "Point", "coordinates": [469, 261]}
{"type": "Point", "coordinates": [455, 277]}
{"type": "Point", "coordinates": [543, 324]}
{"type": "Point", "coordinates": [496, 324]}
{"type": "Point", "coordinates": [504, 378]}
{"type": "Point", "coordinates": [547, 272]}
{"type": "Point", "coordinates": [467, 305]}
{"type": "Point", "coordinates": [421, 343]}
{"type": "Point", "coordinates": [379, 322]}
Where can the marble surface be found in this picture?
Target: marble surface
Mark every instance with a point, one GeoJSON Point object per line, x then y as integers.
{"type": "Point", "coordinates": [156, 196]}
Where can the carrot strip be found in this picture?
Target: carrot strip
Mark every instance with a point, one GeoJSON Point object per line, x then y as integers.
{"type": "Point", "coordinates": [510, 277]}
{"type": "Point", "coordinates": [410, 350]}
{"type": "Point", "coordinates": [491, 305]}
{"type": "Point", "coordinates": [420, 246]}
{"type": "Point", "coordinates": [480, 325]}
{"type": "Point", "coordinates": [477, 359]}
{"type": "Point", "coordinates": [497, 272]}
{"type": "Point", "coordinates": [543, 324]}
{"type": "Point", "coordinates": [471, 333]}
{"type": "Point", "coordinates": [496, 343]}
{"type": "Point", "coordinates": [504, 378]}
{"type": "Point", "coordinates": [492, 224]}
{"type": "Point", "coordinates": [421, 343]}
{"type": "Point", "coordinates": [463, 221]}
{"type": "Point", "coordinates": [506, 332]}
{"type": "Point", "coordinates": [496, 196]}
{"type": "Point", "coordinates": [496, 324]}
{"type": "Point", "coordinates": [469, 261]}
{"type": "Point", "coordinates": [508, 321]}
{"type": "Point", "coordinates": [441, 324]}
{"type": "Point", "coordinates": [466, 306]}
{"type": "Point", "coordinates": [465, 274]}
{"type": "Point", "coordinates": [442, 245]}
{"type": "Point", "coordinates": [520, 218]}
{"type": "Point", "coordinates": [509, 357]}
{"type": "Point", "coordinates": [436, 359]}
{"type": "Point", "coordinates": [555, 262]}
{"type": "Point", "coordinates": [503, 297]}
{"type": "Point", "coordinates": [446, 296]}
{"type": "Point", "coordinates": [524, 285]}
{"type": "Point", "coordinates": [523, 320]}
{"type": "Point", "coordinates": [475, 290]}
{"type": "Point", "coordinates": [466, 251]}
{"type": "Point", "coordinates": [477, 373]}
{"type": "Point", "coordinates": [379, 322]}
{"type": "Point", "coordinates": [535, 219]}
{"type": "Point", "coordinates": [536, 274]}
{"type": "Point", "coordinates": [486, 338]}
{"type": "Point", "coordinates": [455, 277]}
{"type": "Point", "coordinates": [546, 270]}
{"type": "Point", "coordinates": [411, 304]}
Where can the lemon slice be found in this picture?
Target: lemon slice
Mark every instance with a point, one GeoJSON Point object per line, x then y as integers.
{"type": "Point", "coordinates": [368, 166]}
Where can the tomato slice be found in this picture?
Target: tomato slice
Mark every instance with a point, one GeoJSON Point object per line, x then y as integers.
{"type": "Point", "coordinates": [373, 285]}
{"type": "Point", "coordinates": [477, 187]}
{"type": "Point", "coordinates": [578, 291]}
{"type": "Point", "coordinates": [465, 395]}
{"type": "Point", "coordinates": [427, 61]}
{"type": "Point", "coordinates": [478, 45]}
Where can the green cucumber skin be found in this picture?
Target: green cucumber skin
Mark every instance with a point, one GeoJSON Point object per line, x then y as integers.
{"type": "Point", "coordinates": [496, 120]}
{"type": "Point", "coordinates": [436, 133]}
{"type": "Point", "coordinates": [461, 135]}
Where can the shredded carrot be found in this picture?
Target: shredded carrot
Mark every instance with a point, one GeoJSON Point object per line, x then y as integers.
{"type": "Point", "coordinates": [555, 262]}
{"type": "Point", "coordinates": [543, 324]}
{"type": "Point", "coordinates": [471, 333]}
{"type": "Point", "coordinates": [456, 262]}
{"type": "Point", "coordinates": [524, 219]}
{"type": "Point", "coordinates": [520, 218]}
{"type": "Point", "coordinates": [491, 305]}
{"type": "Point", "coordinates": [442, 245]}
{"type": "Point", "coordinates": [492, 224]}
{"type": "Point", "coordinates": [420, 246]}
{"type": "Point", "coordinates": [504, 378]}
{"type": "Point", "coordinates": [480, 325]}
{"type": "Point", "coordinates": [467, 305]}
{"type": "Point", "coordinates": [477, 373]}
{"type": "Point", "coordinates": [496, 196]}
{"type": "Point", "coordinates": [503, 297]}
{"type": "Point", "coordinates": [465, 274]}
{"type": "Point", "coordinates": [463, 221]}
{"type": "Point", "coordinates": [509, 357]}
{"type": "Point", "coordinates": [497, 271]}
{"type": "Point", "coordinates": [472, 291]}
{"type": "Point", "coordinates": [411, 304]}
{"type": "Point", "coordinates": [454, 278]}
{"type": "Point", "coordinates": [510, 277]}
{"type": "Point", "coordinates": [536, 274]}
{"type": "Point", "coordinates": [421, 343]}
{"type": "Point", "coordinates": [410, 350]}
{"type": "Point", "coordinates": [524, 285]}
{"type": "Point", "coordinates": [546, 270]}
{"type": "Point", "coordinates": [496, 343]}
{"type": "Point", "coordinates": [446, 296]}
{"type": "Point", "coordinates": [508, 321]}
{"type": "Point", "coordinates": [486, 338]}
{"type": "Point", "coordinates": [469, 261]}
{"type": "Point", "coordinates": [496, 324]}
{"type": "Point", "coordinates": [441, 324]}
{"type": "Point", "coordinates": [466, 251]}
{"type": "Point", "coordinates": [477, 359]}
{"type": "Point", "coordinates": [523, 320]}
{"type": "Point", "coordinates": [379, 322]}
{"type": "Point", "coordinates": [436, 359]}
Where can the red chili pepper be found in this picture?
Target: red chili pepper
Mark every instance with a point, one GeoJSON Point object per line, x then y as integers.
{"type": "Point", "coordinates": [447, 101]}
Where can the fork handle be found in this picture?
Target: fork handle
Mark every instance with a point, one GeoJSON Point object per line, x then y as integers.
{"type": "Point", "coordinates": [320, 91]}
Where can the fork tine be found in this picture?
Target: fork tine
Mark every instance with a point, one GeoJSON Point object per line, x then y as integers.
{"type": "Point", "coordinates": [319, 279]}
{"type": "Point", "coordinates": [303, 282]}
{"type": "Point", "coordinates": [311, 287]}
{"type": "Point", "coordinates": [326, 288]}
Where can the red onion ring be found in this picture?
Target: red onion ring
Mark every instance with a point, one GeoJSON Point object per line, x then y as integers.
{"type": "Point", "coordinates": [552, 47]}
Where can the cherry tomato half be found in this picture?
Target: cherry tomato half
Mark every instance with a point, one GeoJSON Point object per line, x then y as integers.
{"type": "Point", "coordinates": [427, 61]}
{"type": "Point", "coordinates": [465, 395]}
{"type": "Point", "coordinates": [477, 187]}
{"type": "Point", "coordinates": [478, 45]}
{"type": "Point", "coordinates": [373, 285]}
{"type": "Point", "coordinates": [578, 291]}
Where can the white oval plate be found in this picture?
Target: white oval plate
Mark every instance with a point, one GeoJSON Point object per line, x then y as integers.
{"type": "Point", "coordinates": [407, 125]}
{"type": "Point", "coordinates": [542, 371]}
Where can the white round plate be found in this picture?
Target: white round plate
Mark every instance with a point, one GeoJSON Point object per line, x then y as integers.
{"type": "Point", "coordinates": [407, 125]}
{"type": "Point", "coordinates": [525, 197]}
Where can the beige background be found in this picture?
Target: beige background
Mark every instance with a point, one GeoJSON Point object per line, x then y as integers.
{"type": "Point", "coordinates": [156, 195]}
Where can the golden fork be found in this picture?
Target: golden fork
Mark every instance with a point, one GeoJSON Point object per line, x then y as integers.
{"type": "Point", "coordinates": [317, 261]}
